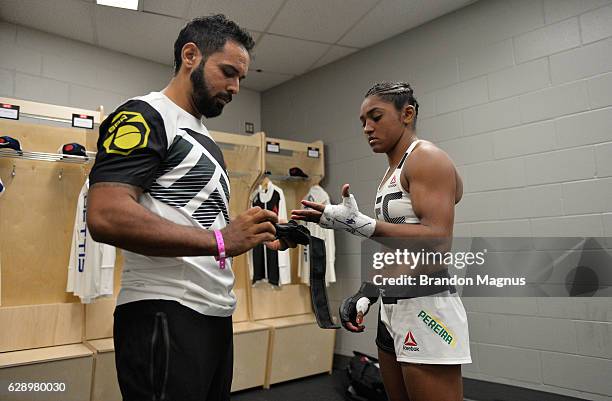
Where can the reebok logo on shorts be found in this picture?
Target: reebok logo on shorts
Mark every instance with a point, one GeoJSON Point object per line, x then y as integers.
{"type": "Point", "coordinates": [436, 325]}
{"type": "Point", "coordinates": [409, 343]}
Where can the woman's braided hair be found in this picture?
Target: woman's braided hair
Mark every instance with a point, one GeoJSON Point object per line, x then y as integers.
{"type": "Point", "coordinates": [398, 93]}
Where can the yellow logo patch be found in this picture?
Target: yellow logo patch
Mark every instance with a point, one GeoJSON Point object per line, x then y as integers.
{"type": "Point", "coordinates": [128, 131]}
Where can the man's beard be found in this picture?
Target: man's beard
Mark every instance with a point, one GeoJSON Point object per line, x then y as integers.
{"type": "Point", "coordinates": [209, 106]}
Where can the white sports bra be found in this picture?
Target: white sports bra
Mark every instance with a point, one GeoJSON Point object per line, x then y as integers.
{"type": "Point", "coordinates": [393, 203]}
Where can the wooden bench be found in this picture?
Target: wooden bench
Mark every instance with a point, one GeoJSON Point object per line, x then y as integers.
{"type": "Point", "coordinates": [298, 348]}
{"type": "Point", "coordinates": [70, 366]}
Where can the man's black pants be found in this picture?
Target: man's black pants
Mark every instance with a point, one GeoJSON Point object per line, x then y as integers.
{"type": "Point", "coordinates": [165, 351]}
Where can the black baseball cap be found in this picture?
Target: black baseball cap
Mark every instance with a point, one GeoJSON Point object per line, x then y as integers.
{"type": "Point", "coordinates": [74, 149]}
{"type": "Point", "coordinates": [297, 172]}
{"type": "Point", "coordinates": [7, 142]}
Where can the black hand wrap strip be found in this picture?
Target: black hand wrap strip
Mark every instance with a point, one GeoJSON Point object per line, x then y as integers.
{"type": "Point", "coordinates": [348, 308]}
{"type": "Point", "coordinates": [293, 232]}
{"type": "Point", "coordinates": [369, 290]}
{"type": "Point", "coordinates": [318, 290]}
{"type": "Point", "coordinates": [298, 234]}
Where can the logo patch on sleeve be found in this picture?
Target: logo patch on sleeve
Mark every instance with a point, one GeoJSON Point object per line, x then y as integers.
{"type": "Point", "coordinates": [128, 131]}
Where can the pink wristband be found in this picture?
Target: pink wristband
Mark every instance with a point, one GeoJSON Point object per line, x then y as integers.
{"type": "Point", "coordinates": [220, 248]}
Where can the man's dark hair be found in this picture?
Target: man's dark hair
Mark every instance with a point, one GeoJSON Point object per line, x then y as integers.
{"type": "Point", "coordinates": [398, 93]}
{"type": "Point", "coordinates": [210, 35]}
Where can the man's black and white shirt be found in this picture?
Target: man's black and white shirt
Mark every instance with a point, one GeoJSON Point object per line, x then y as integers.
{"type": "Point", "coordinates": [152, 143]}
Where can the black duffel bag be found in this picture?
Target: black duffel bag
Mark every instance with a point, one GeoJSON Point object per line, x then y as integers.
{"type": "Point", "coordinates": [365, 381]}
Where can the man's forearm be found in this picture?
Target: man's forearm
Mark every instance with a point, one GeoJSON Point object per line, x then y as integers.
{"type": "Point", "coordinates": [130, 226]}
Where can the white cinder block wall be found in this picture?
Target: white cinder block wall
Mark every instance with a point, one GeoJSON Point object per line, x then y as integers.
{"type": "Point", "coordinates": [48, 68]}
{"type": "Point", "coordinates": [519, 93]}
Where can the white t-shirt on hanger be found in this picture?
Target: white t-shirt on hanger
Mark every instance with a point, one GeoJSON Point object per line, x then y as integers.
{"type": "Point", "coordinates": [318, 194]}
{"type": "Point", "coordinates": [91, 266]}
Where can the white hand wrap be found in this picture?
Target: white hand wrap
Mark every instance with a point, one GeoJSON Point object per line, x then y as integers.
{"type": "Point", "coordinates": [363, 305]}
{"type": "Point", "coordinates": [346, 216]}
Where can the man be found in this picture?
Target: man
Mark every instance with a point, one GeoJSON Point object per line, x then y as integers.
{"type": "Point", "coordinates": [160, 191]}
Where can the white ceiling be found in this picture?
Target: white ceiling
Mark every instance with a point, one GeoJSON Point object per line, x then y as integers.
{"type": "Point", "coordinates": [292, 36]}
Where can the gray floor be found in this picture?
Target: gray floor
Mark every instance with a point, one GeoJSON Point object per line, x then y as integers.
{"type": "Point", "coordinates": [322, 387]}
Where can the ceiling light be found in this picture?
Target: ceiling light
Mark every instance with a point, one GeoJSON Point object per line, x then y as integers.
{"type": "Point", "coordinates": [129, 4]}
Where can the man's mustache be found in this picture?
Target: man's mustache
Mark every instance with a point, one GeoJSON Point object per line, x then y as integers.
{"type": "Point", "coordinates": [225, 96]}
